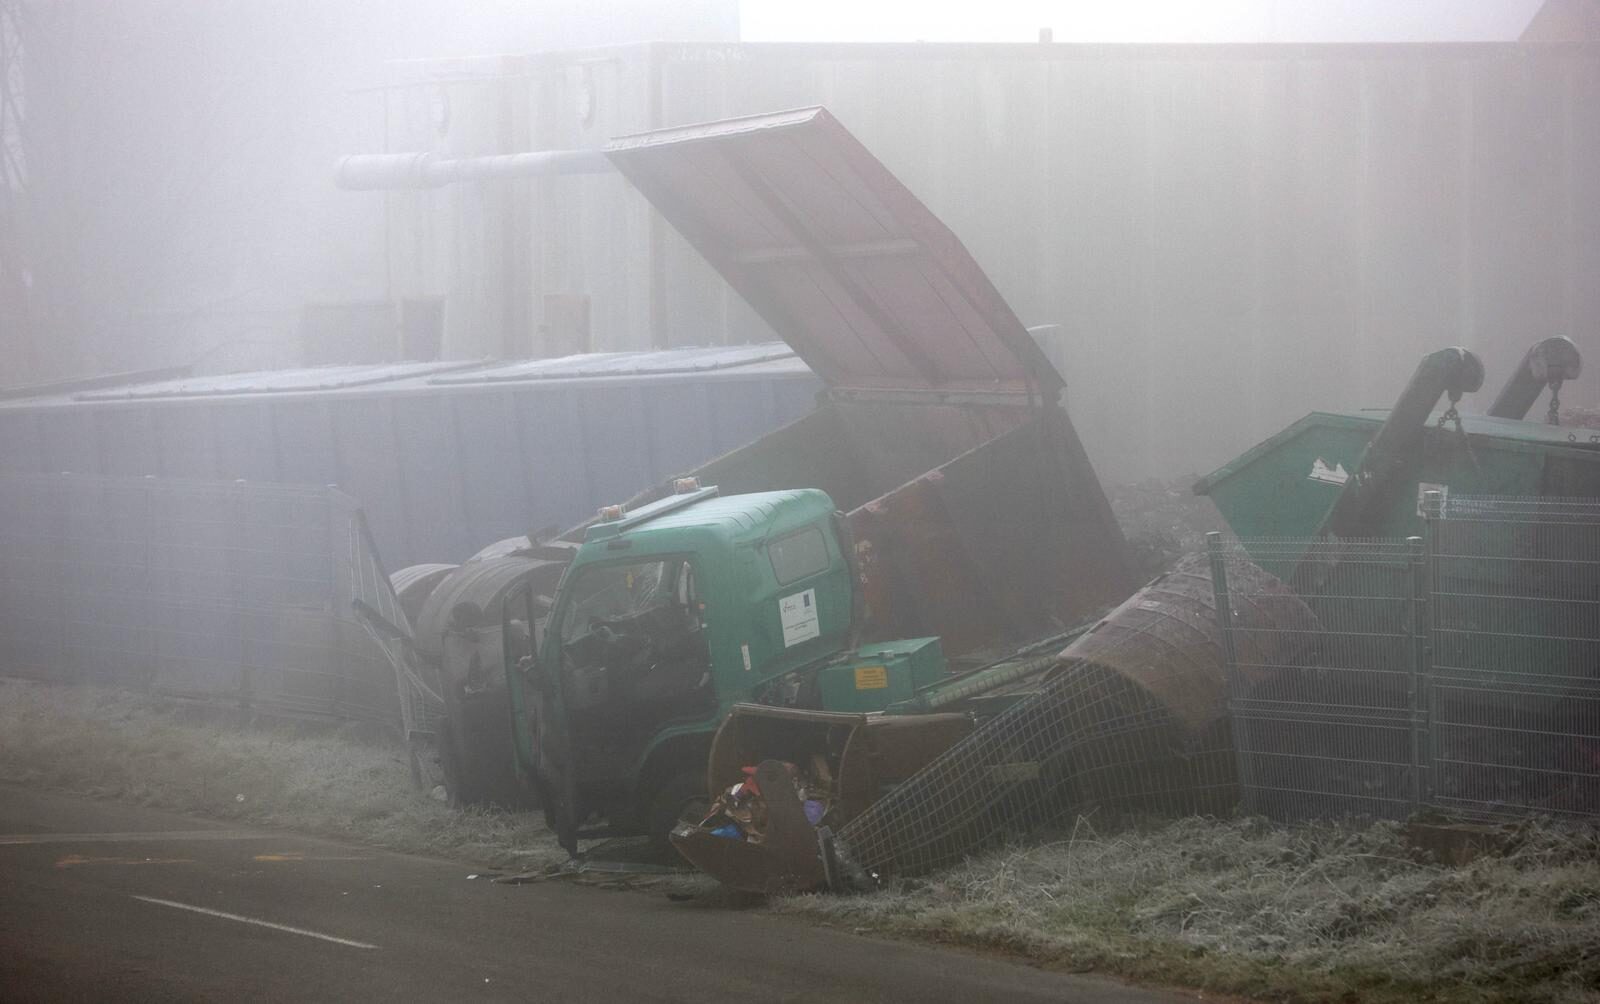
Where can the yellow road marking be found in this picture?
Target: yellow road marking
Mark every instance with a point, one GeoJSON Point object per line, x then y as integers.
{"type": "Point", "coordinates": [14, 839]}
{"type": "Point", "coordinates": [73, 860]}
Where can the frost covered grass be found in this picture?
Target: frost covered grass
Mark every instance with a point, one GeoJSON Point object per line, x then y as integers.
{"type": "Point", "coordinates": [1316, 913]}
{"type": "Point", "coordinates": [341, 783]}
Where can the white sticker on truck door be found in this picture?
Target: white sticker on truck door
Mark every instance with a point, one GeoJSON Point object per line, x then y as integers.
{"type": "Point", "coordinates": [799, 616]}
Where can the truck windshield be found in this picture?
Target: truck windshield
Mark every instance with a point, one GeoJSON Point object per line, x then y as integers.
{"type": "Point", "coordinates": [607, 593]}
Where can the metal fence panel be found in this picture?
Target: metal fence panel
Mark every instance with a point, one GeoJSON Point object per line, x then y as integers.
{"type": "Point", "coordinates": [1089, 738]}
{"type": "Point", "coordinates": [1458, 670]}
{"type": "Point", "coordinates": [212, 590]}
{"type": "Point", "coordinates": [1324, 726]}
{"type": "Point", "coordinates": [377, 607]}
{"type": "Point", "coordinates": [1516, 654]}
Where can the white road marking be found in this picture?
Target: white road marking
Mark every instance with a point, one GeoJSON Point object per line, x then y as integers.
{"type": "Point", "coordinates": [10, 839]}
{"type": "Point", "coordinates": [259, 923]}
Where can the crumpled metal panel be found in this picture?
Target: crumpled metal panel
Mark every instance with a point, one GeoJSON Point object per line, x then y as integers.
{"type": "Point", "coordinates": [849, 267]}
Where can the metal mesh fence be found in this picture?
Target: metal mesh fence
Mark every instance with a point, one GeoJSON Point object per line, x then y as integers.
{"type": "Point", "coordinates": [213, 590]}
{"type": "Point", "coordinates": [1325, 711]}
{"type": "Point", "coordinates": [371, 596]}
{"type": "Point", "coordinates": [1458, 670]}
{"type": "Point", "coordinates": [1515, 695]}
{"type": "Point", "coordinates": [1089, 738]}
{"type": "Point", "coordinates": [1129, 722]}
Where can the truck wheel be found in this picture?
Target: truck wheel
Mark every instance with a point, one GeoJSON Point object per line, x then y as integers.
{"type": "Point", "coordinates": [682, 798]}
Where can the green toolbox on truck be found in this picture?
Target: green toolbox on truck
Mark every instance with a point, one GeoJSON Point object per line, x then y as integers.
{"type": "Point", "coordinates": [879, 675]}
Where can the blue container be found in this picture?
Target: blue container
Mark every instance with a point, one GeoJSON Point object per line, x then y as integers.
{"type": "Point", "coordinates": [444, 457]}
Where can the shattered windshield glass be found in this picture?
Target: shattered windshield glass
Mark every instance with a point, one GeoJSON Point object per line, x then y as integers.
{"type": "Point", "coordinates": [612, 592]}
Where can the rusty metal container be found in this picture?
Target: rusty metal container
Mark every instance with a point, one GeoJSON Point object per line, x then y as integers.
{"type": "Point", "coordinates": [1163, 645]}
{"type": "Point", "coordinates": [1165, 637]}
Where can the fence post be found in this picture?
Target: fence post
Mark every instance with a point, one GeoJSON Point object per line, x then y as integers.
{"type": "Point", "coordinates": [150, 649]}
{"type": "Point", "coordinates": [238, 564]}
{"type": "Point", "coordinates": [1417, 608]}
{"type": "Point", "coordinates": [1432, 513]}
{"type": "Point", "coordinates": [338, 532]}
{"type": "Point", "coordinates": [1230, 664]}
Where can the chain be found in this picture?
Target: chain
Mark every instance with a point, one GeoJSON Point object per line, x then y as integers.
{"type": "Point", "coordinates": [1554, 415]}
{"type": "Point", "coordinates": [1451, 415]}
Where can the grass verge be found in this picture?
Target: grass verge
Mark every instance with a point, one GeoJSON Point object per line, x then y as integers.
{"type": "Point", "coordinates": [1316, 913]}
{"type": "Point", "coordinates": [112, 744]}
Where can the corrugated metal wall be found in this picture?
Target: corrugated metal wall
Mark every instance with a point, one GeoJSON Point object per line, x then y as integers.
{"type": "Point", "coordinates": [1231, 236]}
{"type": "Point", "coordinates": [441, 469]}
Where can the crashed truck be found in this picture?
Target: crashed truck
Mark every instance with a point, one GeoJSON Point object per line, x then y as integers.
{"type": "Point", "coordinates": [935, 515]}
{"type": "Point", "coordinates": [843, 605]}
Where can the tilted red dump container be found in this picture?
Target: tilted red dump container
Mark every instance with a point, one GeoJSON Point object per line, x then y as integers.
{"type": "Point", "coordinates": [941, 434]}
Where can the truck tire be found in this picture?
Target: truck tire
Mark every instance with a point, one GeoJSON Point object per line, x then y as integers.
{"type": "Point", "coordinates": [683, 796]}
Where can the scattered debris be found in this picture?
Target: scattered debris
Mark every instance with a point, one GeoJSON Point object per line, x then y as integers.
{"type": "Point", "coordinates": [740, 813]}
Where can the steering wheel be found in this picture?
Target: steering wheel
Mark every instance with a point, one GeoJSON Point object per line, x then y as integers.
{"type": "Point", "coordinates": [605, 627]}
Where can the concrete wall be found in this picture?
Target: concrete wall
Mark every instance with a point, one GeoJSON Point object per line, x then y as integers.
{"type": "Point", "coordinates": [1230, 236]}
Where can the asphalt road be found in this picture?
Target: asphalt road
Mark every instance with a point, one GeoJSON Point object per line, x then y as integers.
{"type": "Point", "coordinates": [111, 902]}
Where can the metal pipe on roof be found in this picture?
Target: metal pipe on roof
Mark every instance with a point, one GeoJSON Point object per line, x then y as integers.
{"type": "Point", "coordinates": [369, 172]}
{"type": "Point", "coordinates": [1550, 363]}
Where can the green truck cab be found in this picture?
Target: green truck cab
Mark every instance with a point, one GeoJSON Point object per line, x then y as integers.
{"type": "Point", "coordinates": [669, 615]}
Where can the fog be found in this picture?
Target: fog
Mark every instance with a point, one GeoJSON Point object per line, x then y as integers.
{"type": "Point", "coordinates": [1229, 230]}
{"type": "Point", "coordinates": [390, 461]}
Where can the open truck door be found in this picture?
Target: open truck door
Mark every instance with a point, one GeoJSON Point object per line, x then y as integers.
{"type": "Point", "coordinates": [538, 716]}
